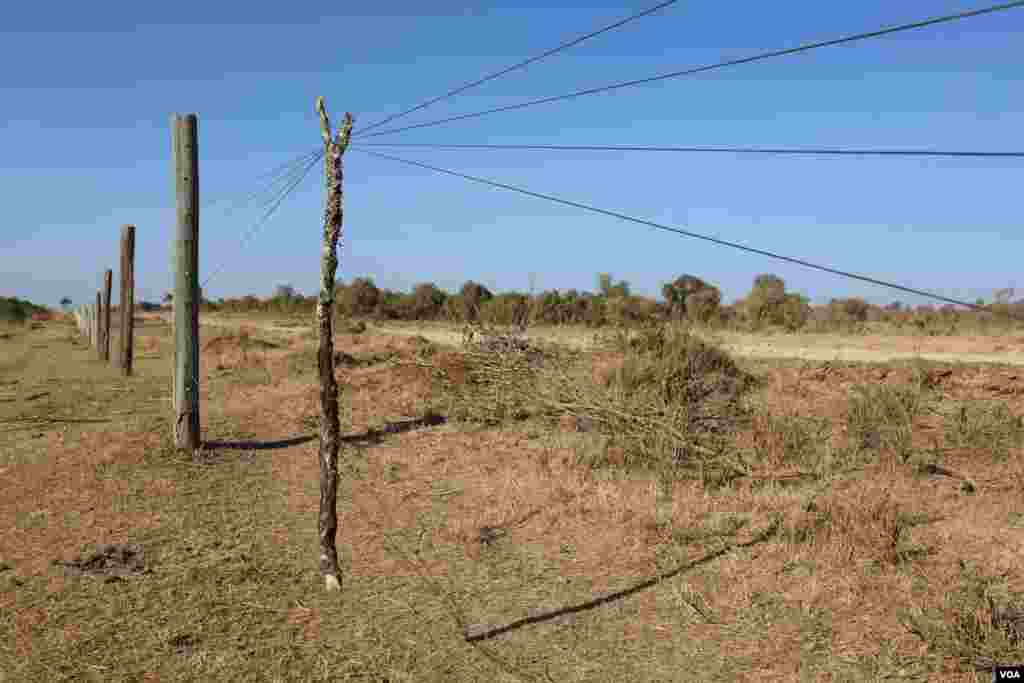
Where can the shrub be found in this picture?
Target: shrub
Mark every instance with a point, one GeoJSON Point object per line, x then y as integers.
{"type": "Point", "coordinates": [769, 304]}
{"type": "Point", "coordinates": [13, 309]}
{"type": "Point", "coordinates": [359, 298]}
{"type": "Point", "coordinates": [511, 308]}
{"type": "Point", "coordinates": [472, 295]}
{"type": "Point", "coordinates": [427, 301]}
{"type": "Point", "coordinates": [679, 290]}
{"type": "Point", "coordinates": [703, 305]}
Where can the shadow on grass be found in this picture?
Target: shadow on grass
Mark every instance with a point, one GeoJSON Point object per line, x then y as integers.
{"type": "Point", "coordinates": [479, 633]}
{"type": "Point", "coordinates": [376, 436]}
{"type": "Point", "coordinates": [256, 445]}
{"type": "Point", "coordinates": [370, 437]}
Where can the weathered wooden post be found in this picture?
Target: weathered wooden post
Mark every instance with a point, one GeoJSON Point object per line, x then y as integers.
{"type": "Point", "coordinates": [330, 427]}
{"type": "Point", "coordinates": [97, 329]}
{"type": "Point", "coordinates": [186, 282]}
{"type": "Point", "coordinates": [127, 298]}
{"type": "Point", "coordinates": [108, 279]}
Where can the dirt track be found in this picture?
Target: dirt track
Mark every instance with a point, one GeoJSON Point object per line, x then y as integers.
{"type": "Point", "coordinates": [1007, 350]}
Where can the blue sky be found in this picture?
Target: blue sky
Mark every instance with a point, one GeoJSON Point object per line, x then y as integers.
{"type": "Point", "coordinates": [88, 92]}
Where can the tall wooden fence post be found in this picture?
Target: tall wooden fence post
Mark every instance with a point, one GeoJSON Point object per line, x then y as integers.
{"type": "Point", "coordinates": [127, 292]}
{"type": "Point", "coordinates": [330, 427]}
{"type": "Point", "coordinates": [98, 329]}
{"type": "Point", "coordinates": [186, 282]}
{"type": "Point", "coordinates": [108, 279]}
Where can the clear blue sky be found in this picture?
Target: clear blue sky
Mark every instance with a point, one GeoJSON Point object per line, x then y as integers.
{"type": "Point", "coordinates": [88, 90]}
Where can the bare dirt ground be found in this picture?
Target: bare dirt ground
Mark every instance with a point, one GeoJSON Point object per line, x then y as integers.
{"type": "Point", "coordinates": [875, 532]}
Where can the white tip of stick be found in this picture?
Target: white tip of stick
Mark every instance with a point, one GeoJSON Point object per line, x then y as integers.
{"type": "Point", "coordinates": [331, 583]}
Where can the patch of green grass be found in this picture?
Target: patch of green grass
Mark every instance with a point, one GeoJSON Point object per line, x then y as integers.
{"type": "Point", "coordinates": [797, 440]}
{"type": "Point", "coordinates": [880, 417]}
{"type": "Point", "coordinates": [987, 426]}
{"type": "Point", "coordinates": [979, 621]}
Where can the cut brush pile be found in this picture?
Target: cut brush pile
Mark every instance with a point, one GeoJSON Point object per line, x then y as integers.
{"type": "Point", "coordinates": [664, 398]}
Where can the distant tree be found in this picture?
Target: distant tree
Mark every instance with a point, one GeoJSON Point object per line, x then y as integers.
{"type": "Point", "coordinates": [703, 304]}
{"type": "Point", "coordinates": [362, 297]}
{"type": "Point", "coordinates": [771, 288]}
{"type": "Point", "coordinates": [473, 295]}
{"type": "Point", "coordinates": [427, 301]}
{"type": "Point", "coordinates": [853, 309]}
{"type": "Point", "coordinates": [611, 289]}
{"type": "Point", "coordinates": [679, 293]}
{"type": "Point", "coordinates": [284, 290]}
{"type": "Point", "coordinates": [1003, 296]}
{"type": "Point", "coordinates": [768, 303]}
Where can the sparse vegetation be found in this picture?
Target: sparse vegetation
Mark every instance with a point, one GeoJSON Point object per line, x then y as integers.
{"type": "Point", "coordinates": [688, 298]}
{"type": "Point", "coordinates": [987, 426]}
{"type": "Point", "coordinates": [625, 510]}
{"type": "Point", "coordinates": [881, 417]}
{"type": "Point", "coordinates": [15, 310]}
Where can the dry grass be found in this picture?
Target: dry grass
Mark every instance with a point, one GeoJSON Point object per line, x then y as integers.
{"type": "Point", "coordinates": [646, 510]}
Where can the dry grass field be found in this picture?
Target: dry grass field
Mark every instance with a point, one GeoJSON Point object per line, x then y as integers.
{"type": "Point", "coordinates": [645, 509]}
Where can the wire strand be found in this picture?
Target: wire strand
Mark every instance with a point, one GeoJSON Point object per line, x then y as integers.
{"type": "Point", "coordinates": [710, 67]}
{"type": "Point", "coordinates": [824, 151]}
{"type": "Point", "coordinates": [680, 231]}
{"type": "Point", "coordinates": [274, 177]}
{"type": "Point", "coordinates": [518, 65]}
{"type": "Point", "coordinates": [270, 212]}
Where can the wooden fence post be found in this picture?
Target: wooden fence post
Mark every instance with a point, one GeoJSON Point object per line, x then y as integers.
{"type": "Point", "coordinates": [186, 283]}
{"type": "Point", "coordinates": [108, 279]}
{"type": "Point", "coordinates": [330, 428]}
{"type": "Point", "coordinates": [127, 298]}
{"type": "Point", "coordinates": [98, 334]}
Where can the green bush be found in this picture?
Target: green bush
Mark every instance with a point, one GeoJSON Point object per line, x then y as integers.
{"type": "Point", "coordinates": [13, 309]}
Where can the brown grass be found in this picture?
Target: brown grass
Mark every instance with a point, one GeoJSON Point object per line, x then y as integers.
{"type": "Point", "coordinates": [847, 522]}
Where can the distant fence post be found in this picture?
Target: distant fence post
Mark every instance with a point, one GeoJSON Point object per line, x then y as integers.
{"type": "Point", "coordinates": [98, 329]}
{"type": "Point", "coordinates": [108, 279]}
{"type": "Point", "coordinates": [186, 282]}
{"type": "Point", "coordinates": [127, 297]}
